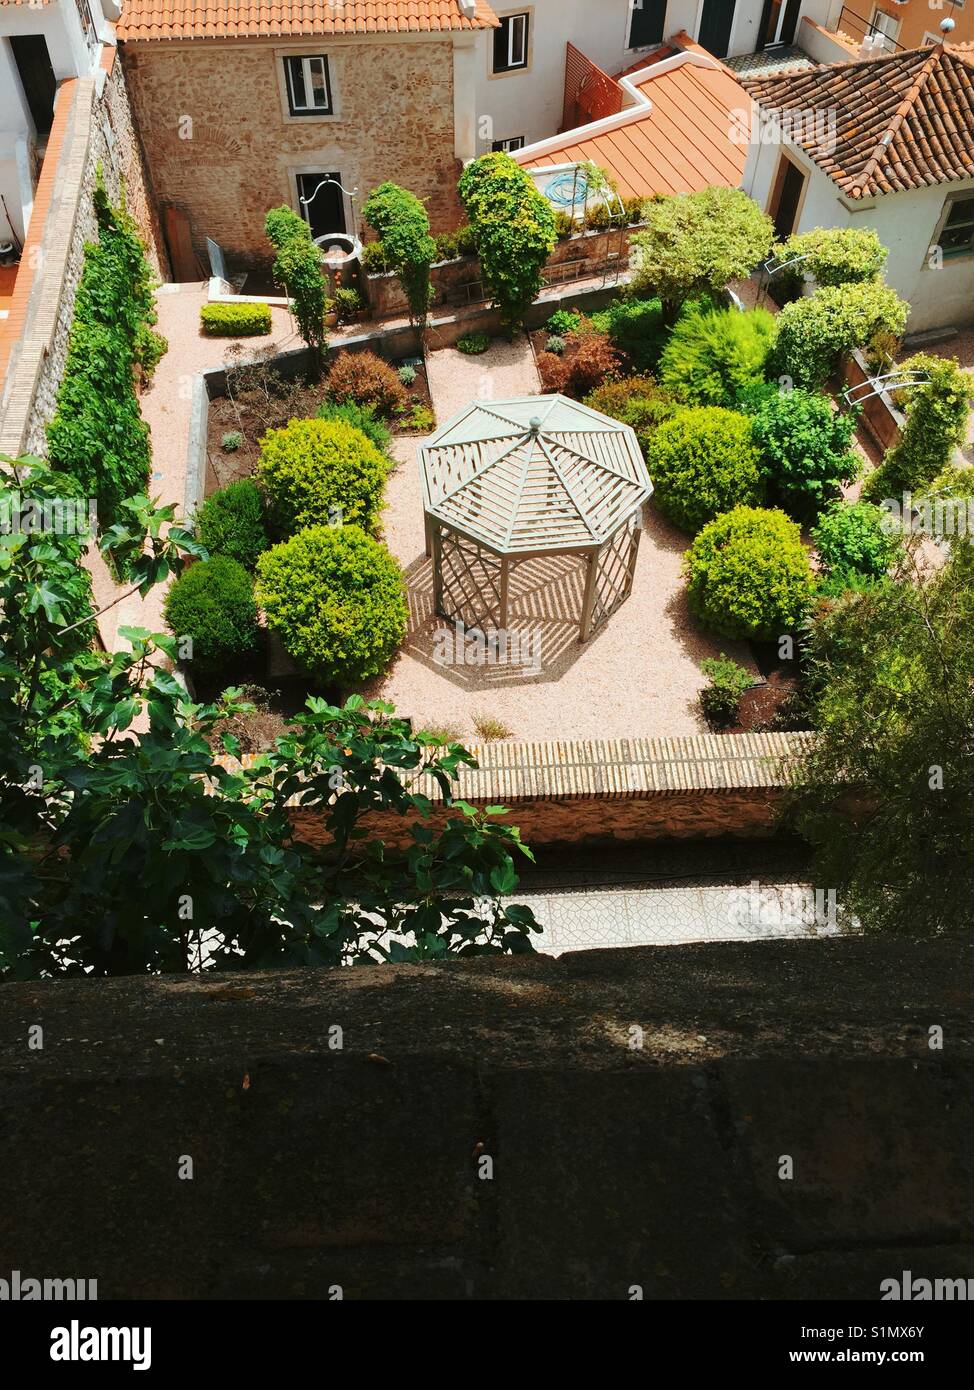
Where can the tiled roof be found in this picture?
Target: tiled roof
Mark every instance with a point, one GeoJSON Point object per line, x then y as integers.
{"type": "Point", "coordinates": [902, 120]}
{"type": "Point", "coordinates": [241, 19]}
{"type": "Point", "coordinates": [690, 133]}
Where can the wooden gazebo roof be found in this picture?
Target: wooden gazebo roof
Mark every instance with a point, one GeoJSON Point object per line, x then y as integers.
{"type": "Point", "coordinates": [543, 474]}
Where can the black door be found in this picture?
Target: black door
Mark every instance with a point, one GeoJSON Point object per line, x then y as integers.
{"type": "Point", "coordinates": [36, 77]}
{"type": "Point", "coordinates": [784, 214]}
{"type": "Point", "coordinates": [715, 26]}
{"type": "Point", "coordinates": [792, 10]}
{"type": "Point", "coordinates": [325, 212]}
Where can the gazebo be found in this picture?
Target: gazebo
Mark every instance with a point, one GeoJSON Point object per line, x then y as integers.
{"type": "Point", "coordinates": [509, 481]}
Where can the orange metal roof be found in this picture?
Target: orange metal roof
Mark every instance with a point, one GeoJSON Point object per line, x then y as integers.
{"type": "Point", "coordinates": [249, 19]}
{"type": "Point", "coordinates": [692, 136]}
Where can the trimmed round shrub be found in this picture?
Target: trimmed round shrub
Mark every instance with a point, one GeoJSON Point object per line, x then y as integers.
{"type": "Point", "coordinates": [713, 355]}
{"type": "Point", "coordinates": [835, 255]}
{"type": "Point", "coordinates": [805, 449]}
{"type": "Point", "coordinates": [814, 333]}
{"type": "Point", "coordinates": [748, 575]}
{"type": "Point", "coordinates": [320, 472]}
{"type": "Point", "coordinates": [473, 344]}
{"type": "Point", "coordinates": [213, 603]}
{"type": "Point", "coordinates": [702, 462]}
{"type": "Point", "coordinates": [231, 522]}
{"type": "Point", "coordinates": [336, 599]}
{"type": "Point", "coordinates": [853, 539]}
{"type": "Point", "coordinates": [366, 379]}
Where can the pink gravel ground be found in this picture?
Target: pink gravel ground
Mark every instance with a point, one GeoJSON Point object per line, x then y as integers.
{"type": "Point", "coordinates": [166, 407]}
{"type": "Point", "coordinates": [638, 676]}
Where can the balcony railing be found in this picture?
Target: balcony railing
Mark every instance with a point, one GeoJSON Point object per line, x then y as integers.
{"type": "Point", "coordinates": [860, 28]}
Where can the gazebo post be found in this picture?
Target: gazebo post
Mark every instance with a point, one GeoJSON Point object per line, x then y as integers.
{"type": "Point", "coordinates": [588, 600]}
{"type": "Point", "coordinates": [437, 566]}
{"type": "Point", "coordinates": [505, 590]}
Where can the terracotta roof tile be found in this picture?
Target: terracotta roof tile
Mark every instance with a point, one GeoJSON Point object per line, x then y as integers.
{"type": "Point", "coordinates": [233, 19]}
{"type": "Point", "coordinates": [902, 120]}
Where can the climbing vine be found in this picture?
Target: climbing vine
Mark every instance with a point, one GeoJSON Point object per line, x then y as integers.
{"type": "Point", "coordinates": [97, 433]}
{"type": "Point", "coordinates": [403, 228]}
{"type": "Point", "coordinates": [515, 229]}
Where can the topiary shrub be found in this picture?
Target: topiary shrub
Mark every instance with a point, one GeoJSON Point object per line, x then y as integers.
{"type": "Point", "coordinates": [714, 354]}
{"type": "Point", "coordinates": [282, 224]}
{"type": "Point", "coordinates": [231, 522]}
{"type": "Point", "coordinates": [835, 255]}
{"type": "Point", "coordinates": [815, 333]}
{"type": "Point", "coordinates": [805, 449]}
{"type": "Point", "coordinates": [366, 379]}
{"type": "Point", "coordinates": [320, 472]}
{"type": "Point", "coordinates": [721, 699]}
{"type": "Point", "coordinates": [360, 417]}
{"type": "Point", "coordinates": [235, 320]}
{"type": "Point", "coordinates": [702, 462]}
{"type": "Point", "coordinates": [336, 599]}
{"type": "Point", "coordinates": [213, 604]}
{"type": "Point", "coordinates": [748, 575]}
{"type": "Point", "coordinates": [936, 424]}
{"type": "Point", "coordinates": [854, 545]}
{"type": "Point", "coordinates": [297, 267]}
{"type": "Point", "coordinates": [515, 228]}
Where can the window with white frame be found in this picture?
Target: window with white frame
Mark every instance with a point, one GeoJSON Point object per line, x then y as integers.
{"type": "Point", "coordinates": [514, 142]}
{"type": "Point", "coordinates": [887, 25]}
{"type": "Point", "coordinates": [511, 42]}
{"type": "Point", "coordinates": [957, 230]}
{"type": "Point", "coordinates": [308, 85]}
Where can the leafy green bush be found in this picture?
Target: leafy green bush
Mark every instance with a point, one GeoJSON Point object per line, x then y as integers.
{"type": "Point", "coordinates": [702, 462]}
{"type": "Point", "coordinates": [712, 355]}
{"type": "Point", "coordinates": [403, 227]}
{"type": "Point", "coordinates": [473, 344]}
{"type": "Point", "coordinates": [836, 255]}
{"type": "Point", "coordinates": [636, 326]}
{"type": "Point", "coordinates": [854, 545]}
{"type": "Point", "coordinates": [335, 597]}
{"type": "Point", "coordinates": [231, 522]}
{"type": "Point", "coordinates": [564, 322]}
{"type": "Point", "coordinates": [815, 333]}
{"type": "Point", "coordinates": [694, 243]}
{"type": "Point", "coordinates": [320, 472]}
{"type": "Point", "coordinates": [721, 699]}
{"type": "Point", "coordinates": [213, 603]}
{"type": "Point", "coordinates": [374, 260]}
{"type": "Point", "coordinates": [283, 224]}
{"type": "Point", "coordinates": [515, 228]}
{"type": "Point", "coordinates": [367, 380]}
{"type": "Point", "coordinates": [748, 574]}
{"type": "Point", "coordinates": [360, 417]}
{"type": "Point", "coordinates": [936, 424]}
{"type": "Point", "coordinates": [235, 320]}
{"type": "Point", "coordinates": [347, 303]}
{"type": "Point", "coordinates": [634, 400]}
{"type": "Point", "coordinates": [805, 449]}
{"type": "Point", "coordinates": [97, 434]}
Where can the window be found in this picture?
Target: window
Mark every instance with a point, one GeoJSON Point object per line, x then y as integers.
{"type": "Point", "coordinates": [887, 25]}
{"type": "Point", "coordinates": [646, 22]}
{"type": "Point", "coordinates": [957, 233]}
{"type": "Point", "coordinates": [511, 43]}
{"type": "Point", "coordinates": [308, 87]}
{"type": "Point", "coordinates": [516, 142]}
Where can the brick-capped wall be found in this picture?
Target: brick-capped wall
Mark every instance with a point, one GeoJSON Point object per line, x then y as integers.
{"type": "Point", "coordinates": [219, 146]}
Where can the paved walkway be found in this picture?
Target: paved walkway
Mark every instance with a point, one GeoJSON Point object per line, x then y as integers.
{"type": "Point", "coordinates": [166, 407]}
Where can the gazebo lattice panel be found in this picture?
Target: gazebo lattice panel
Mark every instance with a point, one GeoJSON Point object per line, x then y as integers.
{"type": "Point", "coordinates": [507, 481]}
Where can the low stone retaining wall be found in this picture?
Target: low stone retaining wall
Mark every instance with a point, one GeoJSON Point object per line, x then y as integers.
{"type": "Point", "coordinates": [499, 1128]}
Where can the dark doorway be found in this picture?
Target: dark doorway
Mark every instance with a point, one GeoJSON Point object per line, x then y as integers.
{"type": "Point", "coordinates": [326, 211]}
{"type": "Point", "coordinates": [715, 26]}
{"type": "Point", "coordinates": [36, 77]}
{"type": "Point", "coordinates": [785, 198]}
{"type": "Point", "coordinates": [647, 23]}
{"type": "Point", "coordinates": [779, 21]}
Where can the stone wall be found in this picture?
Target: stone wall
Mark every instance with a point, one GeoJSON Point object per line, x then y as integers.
{"type": "Point", "coordinates": [520, 1128]}
{"type": "Point", "coordinates": [578, 257]}
{"type": "Point", "coordinates": [92, 133]}
{"type": "Point", "coordinates": [221, 148]}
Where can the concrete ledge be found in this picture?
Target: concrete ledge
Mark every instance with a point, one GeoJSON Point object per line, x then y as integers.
{"type": "Point", "coordinates": [612, 1164]}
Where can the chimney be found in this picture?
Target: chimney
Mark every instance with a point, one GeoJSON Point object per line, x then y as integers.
{"type": "Point", "coordinates": [468, 8]}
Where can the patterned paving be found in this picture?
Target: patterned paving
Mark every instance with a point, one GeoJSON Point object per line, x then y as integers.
{"type": "Point", "coordinates": [770, 63]}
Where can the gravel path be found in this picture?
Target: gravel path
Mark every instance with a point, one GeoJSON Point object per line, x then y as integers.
{"type": "Point", "coordinates": [637, 676]}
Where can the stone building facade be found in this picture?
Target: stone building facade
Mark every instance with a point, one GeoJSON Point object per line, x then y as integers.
{"type": "Point", "coordinates": [222, 145]}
